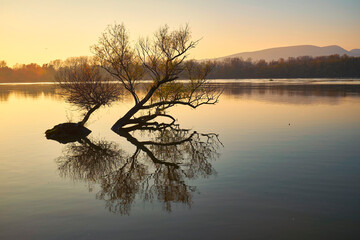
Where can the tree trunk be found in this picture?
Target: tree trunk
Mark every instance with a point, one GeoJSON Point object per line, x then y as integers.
{"type": "Point", "coordinates": [123, 121]}
{"type": "Point", "coordinates": [87, 115]}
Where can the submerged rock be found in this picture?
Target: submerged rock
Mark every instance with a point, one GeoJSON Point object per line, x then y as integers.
{"type": "Point", "coordinates": [67, 132]}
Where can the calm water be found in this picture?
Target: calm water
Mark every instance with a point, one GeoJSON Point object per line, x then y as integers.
{"type": "Point", "coordinates": [285, 165]}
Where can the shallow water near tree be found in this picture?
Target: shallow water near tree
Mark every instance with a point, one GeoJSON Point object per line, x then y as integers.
{"type": "Point", "coordinates": [285, 165]}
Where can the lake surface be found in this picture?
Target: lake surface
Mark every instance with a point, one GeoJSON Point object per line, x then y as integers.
{"type": "Point", "coordinates": [271, 160]}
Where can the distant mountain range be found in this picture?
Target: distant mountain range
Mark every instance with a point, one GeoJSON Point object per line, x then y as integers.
{"type": "Point", "coordinates": [292, 51]}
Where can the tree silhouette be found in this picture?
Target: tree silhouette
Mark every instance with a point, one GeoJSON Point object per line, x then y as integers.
{"type": "Point", "coordinates": [162, 59]}
{"type": "Point", "coordinates": [158, 170]}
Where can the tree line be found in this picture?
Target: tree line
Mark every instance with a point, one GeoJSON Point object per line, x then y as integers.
{"type": "Point", "coordinates": [333, 66]}
{"type": "Point", "coordinates": [32, 72]}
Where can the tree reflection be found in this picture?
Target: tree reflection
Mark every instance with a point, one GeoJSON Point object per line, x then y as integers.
{"type": "Point", "coordinates": [158, 170]}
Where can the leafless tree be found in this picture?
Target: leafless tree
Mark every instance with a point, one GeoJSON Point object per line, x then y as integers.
{"type": "Point", "coordinates": [163, 59]}
{"type": "Point", "coordinates": [84, 85]}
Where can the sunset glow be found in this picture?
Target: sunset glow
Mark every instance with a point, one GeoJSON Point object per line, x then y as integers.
{"type": "Point", "coordinates": [40, 31]}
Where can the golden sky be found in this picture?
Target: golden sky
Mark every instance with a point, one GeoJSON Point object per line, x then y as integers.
{"type": "Point", "coordinates": [40, 31]}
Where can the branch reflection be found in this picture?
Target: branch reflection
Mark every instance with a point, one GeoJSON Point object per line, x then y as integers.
{"type": "Point", "coordinates": [158, 170]}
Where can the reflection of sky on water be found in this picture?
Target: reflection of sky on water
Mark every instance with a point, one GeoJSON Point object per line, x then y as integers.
{"type": "Point", "coordinates": [27, 91]}
{"type": "Point", "coordinates": [288, 169]}
{"type": "Point", "coordinates": [290, 91]}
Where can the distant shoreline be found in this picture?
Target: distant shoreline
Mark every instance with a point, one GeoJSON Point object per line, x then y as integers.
{"type": "Point", "coordinates": [329, 67]}
{"type": "Point", "coordinates": [235, 80]}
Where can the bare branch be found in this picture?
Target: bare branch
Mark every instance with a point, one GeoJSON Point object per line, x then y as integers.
{"type": "Point", "coordinates": [163, 58]}
{"type": "Point", "coordinates": [85, 86]}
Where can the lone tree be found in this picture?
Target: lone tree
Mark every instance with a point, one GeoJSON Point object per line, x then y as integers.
{"type": "Point", "coordinates": [162, 58]}
{"type": "Point", "coordinates": [83, 85]}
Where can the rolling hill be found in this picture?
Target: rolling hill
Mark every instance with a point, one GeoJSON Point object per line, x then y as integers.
{"type": "Point", "coordinates": [292, 51]}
